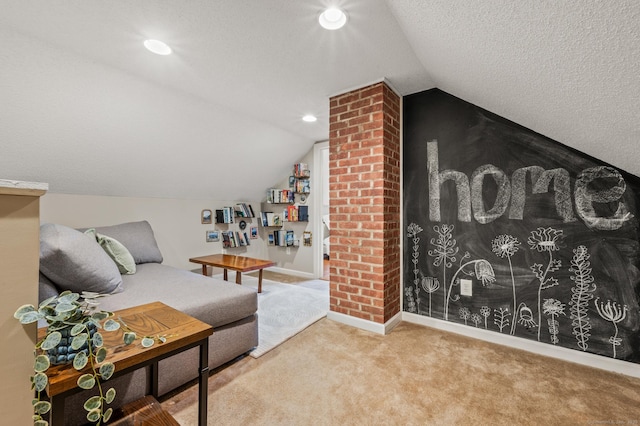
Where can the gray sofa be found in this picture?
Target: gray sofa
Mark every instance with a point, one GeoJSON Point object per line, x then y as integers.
{"type": "Point", "coordinates": [65, 254]}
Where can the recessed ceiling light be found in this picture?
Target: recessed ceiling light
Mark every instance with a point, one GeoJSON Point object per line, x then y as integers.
{"type": "Point", "coordinates": [309, 118]}
{"type": "Point", "coordinates": [332, 18]}
{"type": "Point", "coordinates": [158, 47]}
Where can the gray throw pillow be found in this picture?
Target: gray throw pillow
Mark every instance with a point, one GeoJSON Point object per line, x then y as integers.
{"type": "Point", "coordinates": [75, 261]}
{"type": "Point", "coordinates": [137, 237]}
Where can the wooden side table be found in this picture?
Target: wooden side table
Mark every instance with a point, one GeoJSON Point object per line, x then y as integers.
{"type": "Point", "coordinates": [151, 319]}
{"type": "Point", "coordinates": [239, 264]}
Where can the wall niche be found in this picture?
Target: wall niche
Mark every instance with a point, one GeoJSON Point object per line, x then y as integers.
{"type": "Point", "coordinates": [510, 231]}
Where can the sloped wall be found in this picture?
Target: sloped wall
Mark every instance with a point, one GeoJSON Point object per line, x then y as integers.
{"type": "Point", "coordinates": [510, 231]}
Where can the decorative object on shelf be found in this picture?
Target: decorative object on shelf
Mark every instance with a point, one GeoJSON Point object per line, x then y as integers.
{"type": "Point", "coordinates": [303, 198]}
{"type": "Point", "coordinates": [254, 232]}
{"type": "Point", "coordinates": [206, 216]}
{"type": "Point", "coordinates": [306, 238]}
{"type": "Point", "coordinates": [242, 225]}
{"type": "Point", "coordinates": [213, 236]}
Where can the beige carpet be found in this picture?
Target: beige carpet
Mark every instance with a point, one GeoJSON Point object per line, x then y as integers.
{"type": "Point", "coordinates": [332, 374]}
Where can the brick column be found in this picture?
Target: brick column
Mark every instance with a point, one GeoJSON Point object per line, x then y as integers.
{"type": "Point", "coordinates": [364, 183]}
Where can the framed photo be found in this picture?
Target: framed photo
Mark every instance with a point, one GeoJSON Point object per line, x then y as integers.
{"type": "Point", "coordinates": [306, 238]}
{"type": "Point", "coordinates": [213, 236]}
{"type": "Point", "coordinates": [206, 216]}
{"type": "Point", "coordinates": [254, 232]}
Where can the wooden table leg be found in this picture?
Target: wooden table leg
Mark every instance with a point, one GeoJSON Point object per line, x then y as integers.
{"type": "Point", "coordinates": [204, 270]}
{"type": "Point", "coordinates": [224, 275]}
{"type": "Point", "coordinates": [238, 277]}
{"type": "Point", "coordinates": [260, 281]}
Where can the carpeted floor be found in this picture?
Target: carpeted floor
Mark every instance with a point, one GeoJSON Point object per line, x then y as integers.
{"type": "Point", "coordinates": [333, 374]}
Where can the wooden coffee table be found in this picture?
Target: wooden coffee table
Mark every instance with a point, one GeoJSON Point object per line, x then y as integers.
{"type": "Point", "coordinates": [183, 331]}
{"type": "Point", "coordinates": [239, 264]}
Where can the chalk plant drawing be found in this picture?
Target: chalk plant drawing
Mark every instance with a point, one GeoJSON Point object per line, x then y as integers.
{"type": "Point", "coordinates": [485, 311]}
{"type": "Point", "coordinates": [464, 314]}
{"type": "Point", "coordinates": [614, 313]}
{"type": "Point", "coordinates": [582, 293]}
{"type": "Point", "coordinates": [412, 232]}
{"type": "Point", "coordinates": [444, 252]}
{"type": "Point", "coordinates": [476, 319]}
{"type": "Point", "coordinates": [482, 270]}
{"type": "Point", "coordinates": [501, 318]}
{"type": "Point", "coordinates": [506, 246]}
{"type": "Point", "coordinates": [553, 308]}
{"type": "Point", "coordinates": [545, 240]}
{"type": "Point", "coordinates": [525, 316]}
{"type": "Point", "coordinates": [430, 285]}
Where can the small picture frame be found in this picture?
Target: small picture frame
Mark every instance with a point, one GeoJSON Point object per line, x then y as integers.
{"type": "Point", "coordinates": [213, 236]}
{"type": "Point", "coordinates": [254, 233]}
{"type": "Point", "coordinates": [306, 238]}
{"type": "Point", "coordinates": [205, 217]}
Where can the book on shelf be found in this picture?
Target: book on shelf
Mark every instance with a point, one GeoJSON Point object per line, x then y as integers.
{"type": "Point", "coordinates": [301, 170]}
{"type": "Point", "coordinates": [240, 239]}
{"type": "Point", "coordinates": [219, 216]}
{"type": "Point", "coordinates": [303, 213]}
{"type": "Point", "coordinates": [226, 242]}
{"type": "Point", "coordinates": [270, 219]}
{"type": "Point", "coordinates": [247, 240]}
{"type": "Point", "coordinates": [280, 196]}
{"type": "Point", "coordinates": [244, 210]}
{"type": "Point", "coordinates": [292, 213]}
{"type": "Point", "coordinates": [289, 237]}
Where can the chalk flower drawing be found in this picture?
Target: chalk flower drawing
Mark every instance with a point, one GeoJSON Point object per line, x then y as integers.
{"type": "Point", "coordinates": [430, 285]}
{"type": "Point", "coordinates": [412, 232]}
{"type": "Point", "coordinates": [614, 313]}
{"type": "Point", "coordinates": [582, 293]}
{"type": "Point", "coordinates": [554, 308]}
{"type": "Point", "coordinates": [485, 311]}
{"type": "Point", "coordinates": [506, 246]}
{"type": "Point", "coordinates": [501, 318]}
{"type": "Point", "coordinates": [476, 319]}
{"type": "Point", "coordinates": [482, 270]}
{"type": "Point", "coordinates": [545, 240]}
{"type": "Point", "coordinates": [525, 316]}
{"type": "Point", "coordinates": [444, 251]}
{"type": "Point", "coordinates": [465, 314]}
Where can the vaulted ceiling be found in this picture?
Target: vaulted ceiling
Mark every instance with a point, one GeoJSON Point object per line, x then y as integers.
{"type": "Point", "coordinates": [87, 109]}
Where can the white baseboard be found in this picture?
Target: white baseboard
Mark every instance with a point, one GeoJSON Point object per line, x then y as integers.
{"type": "Point", "coordinates": [362, 324]}
{"type": "Point", "coordinates": [291, 272]}
{"type": "Point", "coordinates": [566, 354]}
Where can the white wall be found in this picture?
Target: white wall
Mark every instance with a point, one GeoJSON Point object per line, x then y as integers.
{"type": "Point", "coordinates": [176, 223]}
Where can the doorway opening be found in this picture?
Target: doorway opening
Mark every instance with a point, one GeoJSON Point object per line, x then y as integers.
{"type": "Point", "coordinates": [321, 210]}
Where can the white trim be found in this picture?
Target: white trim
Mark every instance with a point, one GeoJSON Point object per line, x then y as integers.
{"type": "Point", "coordinates": [316, 208]}
{"type": "Point", "coordinates": [565, 354]}
{"type": "Point", "coordinates": [362, 86]}
{"type": "Point", "coordinates": [291, 272]}
{"type": "Point", "coordinates": [366, 325]}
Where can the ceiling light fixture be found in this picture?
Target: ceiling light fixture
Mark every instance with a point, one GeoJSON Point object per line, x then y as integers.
{"type": "Point", "coordinates": [158, 47]}
{"type": "Point", "coordinates": [310, 118]}
{"type": "Point", "coordinates": [332, 18]}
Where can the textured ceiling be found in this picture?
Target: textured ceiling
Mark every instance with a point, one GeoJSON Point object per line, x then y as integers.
{"type": "Point", "coordinates": [88, 110]}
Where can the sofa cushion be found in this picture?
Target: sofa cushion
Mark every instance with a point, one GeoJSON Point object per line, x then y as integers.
{"type": "Point", "coordinates": [74, 261]}
{"type": "Point", "coordinates": [116, 251]}
{"type": "Point", "coordinates": [211, 300]}
{"type": "Point", "coordinates": [137, 237]}
{"type": "Point", "coordinates": [46, 288]}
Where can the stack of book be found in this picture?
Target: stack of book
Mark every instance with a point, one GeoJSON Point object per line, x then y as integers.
{"type": "Point", "coordinates": [296, 214]}
{"type": "Point", "coordinates": [270, 219]}
{"type": "Point", "coordinates": [232, 239]}
{"type": "Point", "coordinates": [281, 196]}
{"type": "Point", "coordinates": [225, 215]}
{"type": "Point", "coordinates": [302, 186]}
{"type": "Point", "coordinates": [301, 170]}
{"type": "Point", "coordinates": [244, 210]}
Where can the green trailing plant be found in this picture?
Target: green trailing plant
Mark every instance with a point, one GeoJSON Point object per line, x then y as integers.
{"type": "Point", "coordinates": [74, 336]}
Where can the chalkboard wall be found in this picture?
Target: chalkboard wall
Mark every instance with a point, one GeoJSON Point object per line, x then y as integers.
{"type": "Point", "coordinates": [510, 231]}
